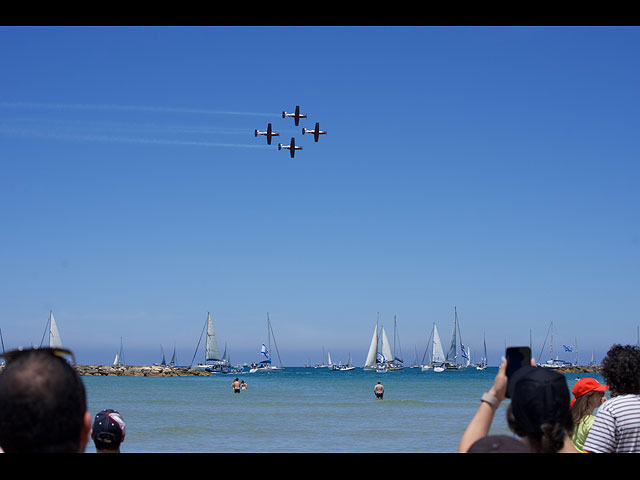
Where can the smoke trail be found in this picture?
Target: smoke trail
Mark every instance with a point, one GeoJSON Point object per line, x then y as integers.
{"type": "Point", "coordinates": [116, 139]}
{"type": "Point", "coordinates": [60, 106]}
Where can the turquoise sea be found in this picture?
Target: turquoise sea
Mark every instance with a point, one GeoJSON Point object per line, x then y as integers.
{"type": "Point", "coordinates": [298, 410]}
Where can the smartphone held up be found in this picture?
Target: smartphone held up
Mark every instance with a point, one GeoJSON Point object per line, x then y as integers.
{"type": "Point", "coordinates": [517, 357]}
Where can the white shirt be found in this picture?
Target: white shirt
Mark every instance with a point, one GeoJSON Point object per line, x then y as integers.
{"type": "Point", "coordinates": [616, 427]}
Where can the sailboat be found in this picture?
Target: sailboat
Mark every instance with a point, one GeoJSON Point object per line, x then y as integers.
{"type": "Point", "coordinates": [379, 354]}
{"type": "Point", "coordinates": [172, 363]}
{"type": "Point", "coordinates": [553, 362]}
{"type": "Point", "coordinates": [451, 360]}
{"type": "Point", "coordinates": [162, 362]}
{"type": "Point", "coordinates": [213, 361]}
{"type": "Point", "coordinates": [437, 358]}
{"type": "Point", "coordinates": [380, 358]}
{"type": "Point", "coordinates": [343, 367]}
{"type": "Point", "coordinates": [397, 363]}
{"type": "Point", "coordinates": [415, 363]}
{"type": "Point", "coordinates": [321, 365]}
{"type": "Point", "coordinates": [483, 362]}
{"type": "Point", "coordinates": [119, 360]}
{"type": "Point", "coordinates": [266, 365]}
{"type": "Point", "coordinates": [54, 334]}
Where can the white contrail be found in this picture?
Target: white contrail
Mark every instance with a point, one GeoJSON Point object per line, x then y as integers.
{"type": "Point", "coordinates": [49, 124]}
{"type": "Point", "coordinates": [61, 106]}
{"type": "Point", "coordinates": [107, 138]}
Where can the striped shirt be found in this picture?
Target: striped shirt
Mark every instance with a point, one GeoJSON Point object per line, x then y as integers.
{"type": "Point", "coordinates": [616, 427]}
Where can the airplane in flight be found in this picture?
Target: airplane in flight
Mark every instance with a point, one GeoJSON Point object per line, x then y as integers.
{"type": "Point", "coordinates": [315, 132]}
{"type": "Point", "coordinates": [296, 116]}
{"type": "Point", "coordinates": [292, 147]}
{"type": "Point", "coordinates": [269, 133]}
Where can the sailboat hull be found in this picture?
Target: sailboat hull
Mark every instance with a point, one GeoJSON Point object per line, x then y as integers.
{"type": "Point", "coordinates": [266, 369]}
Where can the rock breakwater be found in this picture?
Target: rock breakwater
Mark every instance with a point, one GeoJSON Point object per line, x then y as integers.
{"type": "Point", "coordinates": [580, 369]}
{"type": "Point", "coordinates": [138, 371]}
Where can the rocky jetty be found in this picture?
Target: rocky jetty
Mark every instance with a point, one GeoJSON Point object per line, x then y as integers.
{"type": "Point", "coordinates": [579, 369]}
{"type": "Point", "coordinates": [138, 371]}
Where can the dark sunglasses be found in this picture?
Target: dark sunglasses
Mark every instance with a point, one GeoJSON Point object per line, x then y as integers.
{"type": "Point", "coordinates": [56, 352]}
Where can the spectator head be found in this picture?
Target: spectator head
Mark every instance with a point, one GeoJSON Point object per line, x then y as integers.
{"type": "Point", "coordinates": [108, 431]}
{"type": "Point", "coordinates": [42, 403]}
{"type": "Point", "coordinates": [539, 409]}
{"type": "Point", "coordinates": [621, 369]}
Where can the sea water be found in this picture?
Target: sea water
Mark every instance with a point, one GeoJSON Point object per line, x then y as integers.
{"type": "Point", "coordinates": [299, 410]}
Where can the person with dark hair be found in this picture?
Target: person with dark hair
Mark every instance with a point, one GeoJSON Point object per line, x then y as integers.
{"type": "Point", "coordinates": [616, 427]}
{"type": "Point", "coordinates": [539, 411]}
{"type": "Point", "coordinates": [378, 389]}
{"type": "Point", "coordinates": [108, 431]}
{"type": "Point", "coordinates": [588, 395]}
{"type": "Point", "coordinates": [43, 406]}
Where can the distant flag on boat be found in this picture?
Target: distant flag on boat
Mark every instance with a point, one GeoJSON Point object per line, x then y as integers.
{"type": "Point", "coordinates": [464, 353]}
{"type": "Point", "coordinates": [264, 350]}
{"type": "Point", "coordinates": [568, 348]}
{"type": "Point", "coordinates": [381, 358]}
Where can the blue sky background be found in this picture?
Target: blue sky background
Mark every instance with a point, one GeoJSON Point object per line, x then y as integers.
{"type": "Point", "coordinates": [490, 169]}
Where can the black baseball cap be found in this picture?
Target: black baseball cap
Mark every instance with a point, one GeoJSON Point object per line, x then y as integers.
{"type": "Point", "coordinates": [539, 395]}
{"type": "Point", "coordinates": [108, 429]}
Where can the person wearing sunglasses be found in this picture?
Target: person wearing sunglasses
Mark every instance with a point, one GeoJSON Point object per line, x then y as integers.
{"type": "Point", "coordinates": [43, 404]}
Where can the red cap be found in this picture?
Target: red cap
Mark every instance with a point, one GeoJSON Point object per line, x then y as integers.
{"type": "Point", "coordinates": [586, 385]}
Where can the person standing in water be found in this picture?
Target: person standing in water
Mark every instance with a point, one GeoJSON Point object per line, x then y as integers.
{"type": "Point", "coordinates": [236, 386]}
{"type": "Point", "coordinates": [379, 390]}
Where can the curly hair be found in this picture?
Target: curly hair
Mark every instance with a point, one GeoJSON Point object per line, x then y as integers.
{"type": "Point", "coordinates": [621, 369]}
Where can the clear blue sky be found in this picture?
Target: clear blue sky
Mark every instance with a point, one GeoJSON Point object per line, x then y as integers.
{"type": "Point", "coordinates": [490, 169]}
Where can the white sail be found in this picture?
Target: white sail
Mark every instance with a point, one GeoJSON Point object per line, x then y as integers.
{"type": "Point", "coordinates": [437, 353]}
{"type": "Point", "coordinates": [119, 360]}
{"type": "Point", "coordinates": [54, 335]}
{"type": "Point", "coordinates": [385, 347]}
{"type": "Point", "coordinates": [212, 351]}
{"type": "Point", "coordinates": [373, 349]}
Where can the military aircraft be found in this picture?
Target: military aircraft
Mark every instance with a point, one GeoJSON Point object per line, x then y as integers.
{"type": "Point", "coordinates": [296, 116]}
{"type": "Point", "coordinates": [269, 133]}
{"type": "Point", "coordinates": [292, 147]}
{"type": "Point", "coordinates": [315, 132]}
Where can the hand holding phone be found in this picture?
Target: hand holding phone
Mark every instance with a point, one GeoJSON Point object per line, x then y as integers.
{"type": "Point", "coordinates": [517, 357]}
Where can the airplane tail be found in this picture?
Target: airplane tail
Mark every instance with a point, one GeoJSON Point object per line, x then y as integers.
{"type": "Point", "coordinates": [255, 133]}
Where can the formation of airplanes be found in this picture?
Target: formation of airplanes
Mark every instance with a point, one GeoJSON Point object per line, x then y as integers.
{"type": "Point", "coordinates": [292, 147]}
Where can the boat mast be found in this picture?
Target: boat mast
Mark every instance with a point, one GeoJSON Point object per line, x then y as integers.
{"type": "Point", "coordinates": [453, 346]}
{"type": "Point", "coordinates": [427, 348]}
{"type": "Point", "coordinates": [396, 335]}
{"type": "Point", "coordinates": [270, 333]}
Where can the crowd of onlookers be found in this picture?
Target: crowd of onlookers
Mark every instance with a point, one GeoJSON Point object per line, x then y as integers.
{"type": "Point", "coordinates": [545, 419]}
